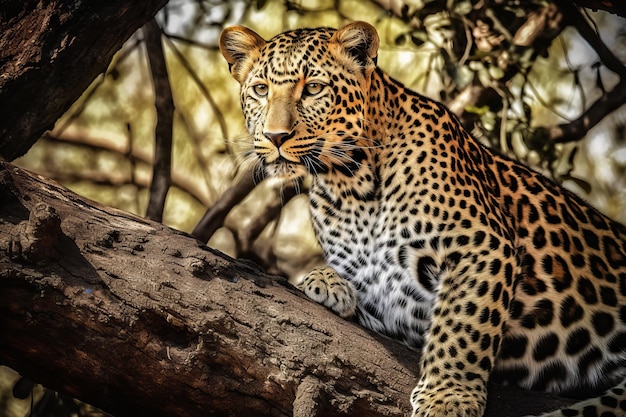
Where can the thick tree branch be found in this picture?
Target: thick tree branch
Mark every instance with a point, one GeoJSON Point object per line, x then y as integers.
{"type": "Point", "coordinates": [164, 103]}
{"type": "Point", "coordinates": [139, 319]}
{"type": "Point", "coordinates": [48, 59]}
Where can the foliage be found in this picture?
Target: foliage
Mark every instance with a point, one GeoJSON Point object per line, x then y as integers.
{"type": "Point", "coordinates": [511, 70]}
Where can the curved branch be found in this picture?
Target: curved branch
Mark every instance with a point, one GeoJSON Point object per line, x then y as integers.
{"type": "Point", "coordinates": [183, 182]}
{"type": "Point", "coordinates": [576, 130]}
{"type": "Point", "coordinates": [214, 217]}
{"type": "Point", "coordinates": [247, 236]}
{"type": "Point", "coordinates": [576, 19]}
{"type": "Point", "coordinates": [203, 88]}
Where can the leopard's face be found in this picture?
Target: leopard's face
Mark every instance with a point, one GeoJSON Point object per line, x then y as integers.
{"type": "Point", "coordinates": [302, 98]}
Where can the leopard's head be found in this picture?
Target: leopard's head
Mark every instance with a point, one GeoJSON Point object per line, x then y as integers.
{"type": "Point", "coordinates": [303, 95]}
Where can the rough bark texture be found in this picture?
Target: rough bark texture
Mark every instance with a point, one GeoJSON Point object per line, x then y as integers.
{"type": "Point", "coordinates": [139, 319]}
{"type": "Point", "coordinates": [50, 51]}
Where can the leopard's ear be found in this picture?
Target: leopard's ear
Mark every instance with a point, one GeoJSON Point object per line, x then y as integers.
{"type": "Point", "coordinates": [238, 44]}
{"type": "Point", "coordinates": [360, 39]}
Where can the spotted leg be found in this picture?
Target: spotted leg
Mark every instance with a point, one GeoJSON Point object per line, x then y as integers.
{"type": "Point", "coordinates": [325, 286]}
{"type": "Point", "coordinates": [463, 340]}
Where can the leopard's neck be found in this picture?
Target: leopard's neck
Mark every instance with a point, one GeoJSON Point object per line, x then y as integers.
{"type": "Point", "coordinates": [361, 180]}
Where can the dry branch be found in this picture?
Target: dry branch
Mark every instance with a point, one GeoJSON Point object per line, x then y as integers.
{"type": "Point", "coordinates": [214, 217]}
{"type": "Point", "coordinates": [139, 319]}
{"type": "Point", "coordinates": [164, 103]}
{"type": "Point", "coordinates": [189, 185]}
{"type": "Point", "coordinates": [136, 318]}
{"type": "Point", "coordinates": [577, 129]}
{"type": "Point", "coordinates": [609, 101]}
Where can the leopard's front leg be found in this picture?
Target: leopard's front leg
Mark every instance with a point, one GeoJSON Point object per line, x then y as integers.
{"type": "Point", "coordinates": [324, 286]}
{"type": "Point", "coordinates": [463, 339]}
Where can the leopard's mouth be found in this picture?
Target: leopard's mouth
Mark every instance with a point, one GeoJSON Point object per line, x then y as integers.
{"type": "Point", "coordinates": [285, 169]}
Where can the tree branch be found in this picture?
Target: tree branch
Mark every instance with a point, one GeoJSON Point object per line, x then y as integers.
{"type": "Point", "coordinates": [576, 130]}
{"type": "Point", "coordinates": [214, 217]}
{"type": "Point", "coordinates": [201, 86]}
{"type": "Point", "coordinates": [47, 59]}
{"type": "Point", "coordinates": [138, 319]}
{"type": "Point", "coordinates": [189, 186]}
{"type": "Point", "coordinates": [164, 103]}
{"type": "Point", "coordinates": [616, 7]}
{"type": "Point", "coordinates": [246, 237]}
{"type": "Point", "coordinates": [577, 20]}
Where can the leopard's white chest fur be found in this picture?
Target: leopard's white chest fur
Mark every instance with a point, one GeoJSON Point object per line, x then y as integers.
{"type": "Point", "coordinates": [376, 246]}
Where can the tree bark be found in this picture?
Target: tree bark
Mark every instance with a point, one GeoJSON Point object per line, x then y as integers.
{"type": "Point", "coordinates": [50, 51]}
{"type": "Point", "coordinates": [139, 319]}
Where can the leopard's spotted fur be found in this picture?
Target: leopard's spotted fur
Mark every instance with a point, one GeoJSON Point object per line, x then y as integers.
{"type": "Point", "coordinates": [493, 270]}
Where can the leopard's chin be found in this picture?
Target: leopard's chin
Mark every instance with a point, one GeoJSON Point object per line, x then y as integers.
{"type": "Point", "coordinates": [285, 170]}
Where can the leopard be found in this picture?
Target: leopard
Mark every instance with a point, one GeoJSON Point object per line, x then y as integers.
{"type": "Point", "coordinates": [493, 271]}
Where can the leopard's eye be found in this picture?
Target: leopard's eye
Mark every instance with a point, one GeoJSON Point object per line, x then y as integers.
{"type": "Point", "coordinates": [260, 89]}
{"type": "Point", "coordinates": [313, 88]}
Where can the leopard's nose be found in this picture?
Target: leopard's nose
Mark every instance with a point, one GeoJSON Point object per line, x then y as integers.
{"type": "Point", "coordinates": [277, 138]}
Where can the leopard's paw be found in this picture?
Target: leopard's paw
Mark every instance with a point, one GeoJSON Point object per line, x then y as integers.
{"type": "Point", "coordinates": [449, 402]}
{"type": "Point", "coordinates": [325, 286]}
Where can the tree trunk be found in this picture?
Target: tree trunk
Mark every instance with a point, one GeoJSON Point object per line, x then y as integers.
{"type": "Point", "coordinates": [139, 319]}
{"type": "Point", "coordinates": [50, 51]}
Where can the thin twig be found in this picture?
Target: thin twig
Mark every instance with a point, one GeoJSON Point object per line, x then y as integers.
{"type": "Point", "coordinates": [577, 129]}
{"type": "Point", "coordinates": [182, 182]}
{"type": "Point", "coordinates": [93, 88]}
{"type": "Point", "coordinates": [608, 102]}
{"type": "Point", "coordinates": [205, 91]}
{"type": "Point", "coordinates": [577, 20]}
{"type": "Point", "coordinates": [189, 41]}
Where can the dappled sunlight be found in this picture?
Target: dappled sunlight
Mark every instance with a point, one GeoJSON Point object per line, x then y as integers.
{"type": "Point", "coordinates": [103, 147]}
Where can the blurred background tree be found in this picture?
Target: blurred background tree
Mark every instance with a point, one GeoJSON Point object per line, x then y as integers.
{"type": "Point", "coordinates": [161, 134]}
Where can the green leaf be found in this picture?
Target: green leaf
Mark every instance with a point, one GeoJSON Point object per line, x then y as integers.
{"type": "Point", "coordinates": [417, 41]}
{"type": "Point", "coordinates": [496, 72]}
{"type": "Point", "coordinates": [419, 37]}
{"type": "Point", "coordinates": [463, 7]}
{"type": "Point", "coordinates": [538, 138]}
{"type": "Point", "coordinates": [477, 110]}
{"type": "Point", "coordinates": [461, 75]}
